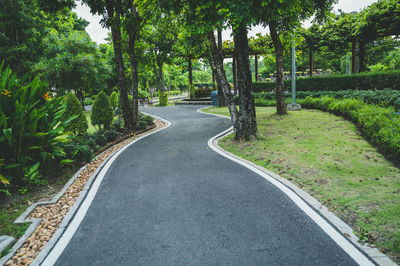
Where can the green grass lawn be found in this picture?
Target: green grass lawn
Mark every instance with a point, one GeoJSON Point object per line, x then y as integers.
{"type": "Point", "coordinates": [91, 128]}
{"type": "Point", "coordinates": [325, 155]}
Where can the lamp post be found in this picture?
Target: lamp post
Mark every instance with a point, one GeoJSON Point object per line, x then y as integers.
{"type": "Point", "coordinates": [293, 106]}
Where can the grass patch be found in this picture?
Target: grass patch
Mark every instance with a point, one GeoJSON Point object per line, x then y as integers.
{"type": "Point", "coordinates": [325, 155]}
{"type": "Point", "coordinates": [91, 128]}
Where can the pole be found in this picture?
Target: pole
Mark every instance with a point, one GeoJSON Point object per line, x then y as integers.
{"type": "Point", "coordinates": [293, 73]}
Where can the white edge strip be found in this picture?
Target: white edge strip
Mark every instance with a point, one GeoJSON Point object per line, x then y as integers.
{"type": "Point", "coordinates": [80, 214]}
{"type": "Point", "coordinates": [339, 239]}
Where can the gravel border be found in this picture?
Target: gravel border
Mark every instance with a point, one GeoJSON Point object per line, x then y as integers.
{"type": "Point", "coordinates": [378, 257]}
{"type": "Point", "coordinates": [35, 222]}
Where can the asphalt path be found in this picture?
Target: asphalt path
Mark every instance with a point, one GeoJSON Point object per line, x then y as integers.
{"type": "Point", "coordinates": [169, 199]}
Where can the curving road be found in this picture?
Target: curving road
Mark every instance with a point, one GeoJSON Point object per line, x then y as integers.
{"type": "Point", "coordinates": [171, 200]}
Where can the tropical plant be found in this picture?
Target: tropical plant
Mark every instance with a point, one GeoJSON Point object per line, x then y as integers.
{"type": "Point", "coordinates": [32, 129]}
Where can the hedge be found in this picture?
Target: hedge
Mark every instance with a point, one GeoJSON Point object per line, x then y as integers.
{"type": "Point", "coordinates": [364, 81]}
{"type": "Point", "coordinates": [74, 108]}
{"type": "Point", "coordinates": [383, 98]}
{"type": "Point", "coordinates": [380, 125]}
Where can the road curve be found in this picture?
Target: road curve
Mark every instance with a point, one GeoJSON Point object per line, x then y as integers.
{"type": "Point", "coordinates": [169, 199]}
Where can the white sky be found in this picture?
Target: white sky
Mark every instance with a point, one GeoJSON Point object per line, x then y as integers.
{"type": "Point", "coordinates": [97, 33]}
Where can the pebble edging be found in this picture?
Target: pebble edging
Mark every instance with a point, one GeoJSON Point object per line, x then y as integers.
{"type": "Point", "coordinates": [49, 219]}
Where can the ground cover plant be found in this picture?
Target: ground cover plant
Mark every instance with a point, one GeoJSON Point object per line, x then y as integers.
{"type": "Point", "coordinates": [325, 155]}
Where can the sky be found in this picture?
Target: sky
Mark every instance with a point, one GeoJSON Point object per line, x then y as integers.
{"type": "Point", "coordinates": [97, 33]}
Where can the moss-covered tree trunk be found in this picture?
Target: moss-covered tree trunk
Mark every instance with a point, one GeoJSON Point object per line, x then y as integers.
{"type": "Point", "coordinates": [220, 72]}
{"type": "Point", "coordinates": [247, 124]}
{"type": "Point", "coordinates": [280, 89]}
{"type": "Point", "coordinates": [114, 14]}
{"type": "Point", "coordinates": [221, 98]}
{"type": "Point", "coordinates": [132, 35]}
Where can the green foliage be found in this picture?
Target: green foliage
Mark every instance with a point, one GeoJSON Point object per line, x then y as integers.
{"type": "Point", "coordinates": [380, 125]}
{"type": "Point", "coordinates": [363, 81]}
{"type": "Point", "coordinates": [87, 101]}
{"type": "Point", "coordinates": [145, 121]}
{"type": "Point", "coordinates": [74, 108]}
{"type": "Point", "coordinates": [114, 100]}
{"type": "Point", "coordinates": [163, 98]}
{"type": "Point", "coordinates": [32, 136]}
{"type": "Point", "coordinates": [101, 111]}
{"type": "Point", "coordinates": [143, 94]}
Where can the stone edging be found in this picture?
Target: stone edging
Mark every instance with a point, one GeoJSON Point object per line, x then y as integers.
{"type": "Point", "coordinates": [36, 221]}
{"type": "Point", "coordinates": [377, 256]}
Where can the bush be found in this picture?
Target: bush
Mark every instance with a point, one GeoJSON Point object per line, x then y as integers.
{"type": "Point", "coordinates": [163, 98]}
{"type": "Point", "coordinates": [87, 101]}
{"type": "Point", "coordinates": [79, 150]}
{"type": "Point", "coordinates": [362, 81]}
{"type": "Point", "coordinates": [145, 121]}
{"type": "Point", "coordinates": [203, 91]}
{"type": "Point", "coordinates": [32, 137]}
{"type": "Point", "coordinates": [79, 125]}
{"type": "Point", "coordinates": [143, 94]}
{"type": "Point", "coordinates": [383, 98]}
{"type": "Point", "coordinates": [101, 111]}
{"type": "Point", "coordinates": [380, 125]}
{"type": "Point", "coordinates": [114, 100]}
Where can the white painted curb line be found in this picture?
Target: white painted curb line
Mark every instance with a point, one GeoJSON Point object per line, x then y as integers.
{"type": "Point", "coordinates": [68, 231]}
{"type": "Point", "coordinates": [304, 200]}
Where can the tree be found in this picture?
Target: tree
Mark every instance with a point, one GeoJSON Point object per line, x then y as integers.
{"type": "Point", "coordinates": [111, 12]}
{"type": "Point", "coordinates": [283, 16]}
{"type": "Point", "coordinates": [71, 62]}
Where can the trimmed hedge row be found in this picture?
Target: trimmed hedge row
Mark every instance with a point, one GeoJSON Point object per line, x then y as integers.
{"type": "Point", "coordinates": [383, 98]}
{"type": "Point", "coordinates": [364, 81]}
{"type": "Point", "coordinates": [380, 125]}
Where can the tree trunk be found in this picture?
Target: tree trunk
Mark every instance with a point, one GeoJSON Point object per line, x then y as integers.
{"type": "Point", "coordinates": [132, 35]}
{"type": "Point", "coordinates": [234, 74]}
{"type": "Point", "coordinates": [311, 61]}
{"type": "Point", "coordinates": [247, 124]}
{"type": "Point", "coordinates": [220, 72]}
{"type": "Point", "coordinates": [354, 56]}
{"type": "Point", "coordinates": [190, 77]}
{"type": "Point", "coordinates": [221, 98]}
{"type": "Point", "coordinates": [361, 56]}
{"type": "Point", "coordinates": [280, 89]}
{"type": "Point", "coordinates": [256, 66]}
{"type": "Point", "coordinates": [119, 63]}
{"type": "Point", "coordinates": [160, 75]}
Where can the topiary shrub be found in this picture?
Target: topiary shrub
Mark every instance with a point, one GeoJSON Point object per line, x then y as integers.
{"type": "Point", "coordinates": [79, 125]}
{"type": "Point", "coordinates": [101, 111]}
{"type": "Point", "coordinates": [114, 100]}
{"type": "Point", "coordinates": [163, 98]}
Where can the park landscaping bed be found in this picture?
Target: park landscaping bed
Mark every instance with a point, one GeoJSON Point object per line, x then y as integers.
{"type": "Point", "coordinates": [326, 155]}
{"type": "Point", "coordinates": [52, 214]}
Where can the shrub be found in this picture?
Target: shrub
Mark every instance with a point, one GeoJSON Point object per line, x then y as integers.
{"type": "Point", "coordinates": [88, 101]}
{"type": "Point", "coordinates": [380, 125]}
{"type": "Point", "coordinates": [114, 100]}
{"type": "Point", "coordinates": [79, 150]}
{"type": "Point", "coordinates": [79, 125]}
{"type": "Point", "coordinates": [163, 98]}
{"type": "Point", "coordinates": [143, 94]}
{"type": "Point", "coordinates": [101, 111]}
{"type": "Point", "coordinates": [203, 90]}
{"type": "Point", "coordinates": [32, 137]}
{"type": "Point", "coordinates": [362, 81]}
{"type": "Point", "coordinates": [145, 121]}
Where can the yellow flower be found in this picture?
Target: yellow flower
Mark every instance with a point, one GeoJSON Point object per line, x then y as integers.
{"type": "Point", "coordinates": [6, 93]}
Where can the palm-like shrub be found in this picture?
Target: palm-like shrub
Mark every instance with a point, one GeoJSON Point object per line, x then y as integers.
{"type": "Point", "coordinates": [101, 111]}
{"type": "Point", "coordinates": [32, 130]}
{"type": "Point", "coordinates": [74, 109]}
